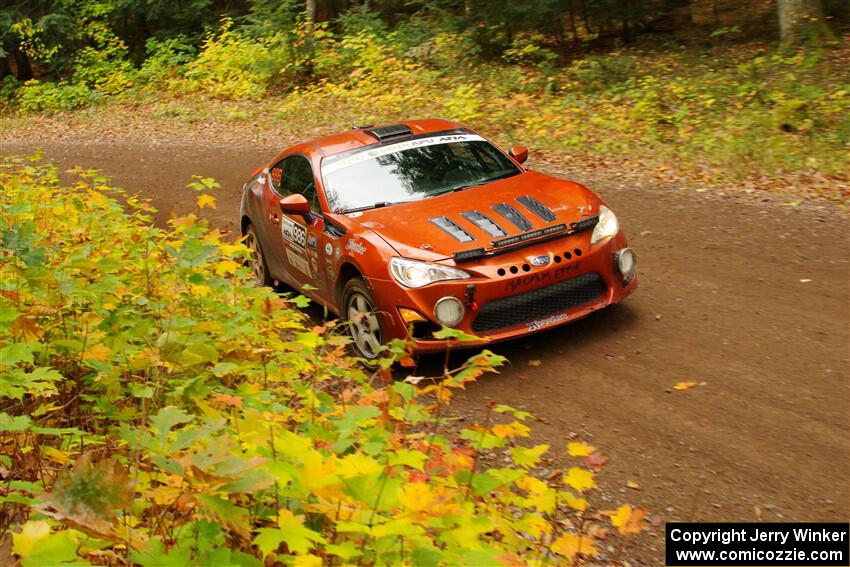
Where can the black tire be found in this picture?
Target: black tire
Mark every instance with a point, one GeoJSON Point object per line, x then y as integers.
{"type": "Point", "coordinates": [257, 261]}
{"type": "Point", "coordinates": [365, 329]}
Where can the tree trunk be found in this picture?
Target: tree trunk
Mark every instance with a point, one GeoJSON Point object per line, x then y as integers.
{"type": "Point", "coordinates": [5, 68]}
{"type": "Point", "coordinates": [311, 10]}
{"type": "Point", "coordinates": [798, 18]}
{"type": "Point", "coordinates": [22, 63]}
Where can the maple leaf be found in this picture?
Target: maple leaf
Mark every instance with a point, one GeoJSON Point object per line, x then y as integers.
{"type": "Point", "coordinates": [31, 534]}
{"type": "Point", "coordinates": [292, 531]}
{"type": "Point", "coordinates": [579, 449]}
{"type": "Point", "coordinates": [595, 461]}
{"type": "Point", "coordinates": [579, 479]}
{"type": "Point", "coordinates": [98, 352]}
{"type": "Point", "coordinates": [628, 520]}
{"type": "Point", "coordinates": [89, 496]}
{"type": "Point", "coordinates": [510, 430]}
{"type": "Point", "coordinates": [206, 201]}
{"type": "Point", "coordinates": [575, 502]}
{"type": "Point", "coordinates": [229, 400]}
{"type": "Point", "coordinates": [570, 545]}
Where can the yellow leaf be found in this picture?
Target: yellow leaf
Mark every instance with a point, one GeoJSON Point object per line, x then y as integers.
{"type": "Point", "coordinates": [226, 267]}
{"type": "Point", "coordinates": [417, 496]}
{"type": "Point", "coordinates": [306, 561]}
{"type": "Point", "coordinates": [515, 429]}
{"type": "Point", "coordinates": [199, 290]}
{"type": "Point", "coordinates": [186, 221]}
{"type": "Point", "coordinates": [570, 545]}
{"type": "Point", "coordinates": [580, 449]}
{"type": "Point", "coordinates": [575, 502]}
{"type": "Point", "coordinates": [579, 479]}
{"type": "Point", "coordinates": [358, 464]}
{"type": "Point", "coordinates": [206, 201]}
{"type": "Point", "coordinates": [685, 385]}
{"type": "Point", "coordinates": [31, 534]}
{"type": "Point", "coordinates": [628, 520]}
{"type": "Point", "coordinates": [98, 352]}
{"type": "Point", "coordinates": [633, 485]}
{"type": "Point", "coordinates": [55, 455]}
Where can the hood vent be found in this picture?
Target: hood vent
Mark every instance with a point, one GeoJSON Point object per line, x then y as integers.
{"type": "Point", "coordinates": [537, 207]}
{"type": "Point", "coordinates": [452, 228]}
{"type": "Point", "coordinates": [513, 215]}
{"type": "Point", "coordinates": [484, 223]}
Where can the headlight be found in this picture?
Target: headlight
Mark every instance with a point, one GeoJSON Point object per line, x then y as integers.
{"type": "Point", "coordinates": [607, 226]}
{"type": "Point", "coordinates": [412, 273]}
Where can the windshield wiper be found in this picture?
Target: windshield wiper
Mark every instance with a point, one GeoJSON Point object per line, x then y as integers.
{"type": "Point", "coordinates": [378, 205]}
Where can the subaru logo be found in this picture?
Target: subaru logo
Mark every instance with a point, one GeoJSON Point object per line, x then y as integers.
{"type": "Point", "coordinates": [540, 261]}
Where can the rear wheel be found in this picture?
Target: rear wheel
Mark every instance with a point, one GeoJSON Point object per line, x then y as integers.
{"type": "Point", "coordinates": [363, 324]}
{"type": "Point", "coordinates": [257, 260]}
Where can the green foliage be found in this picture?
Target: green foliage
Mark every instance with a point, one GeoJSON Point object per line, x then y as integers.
{"type": "Point", "coordinates": [158, 409]}
{"type": "Point", "coordinates": [35, 96]}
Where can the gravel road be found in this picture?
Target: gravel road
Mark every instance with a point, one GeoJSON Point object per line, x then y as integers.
{"type": "Point", "coordinates": [749, 298]}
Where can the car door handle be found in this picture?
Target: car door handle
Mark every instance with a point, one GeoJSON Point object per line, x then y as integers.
{"type": "Point", "coordinates": [274, 218]}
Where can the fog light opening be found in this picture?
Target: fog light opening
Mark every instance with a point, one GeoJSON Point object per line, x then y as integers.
{"type": "Point", "coordinates": [626, 263]}
{"type": "Point", "coordinates": [449, 311]}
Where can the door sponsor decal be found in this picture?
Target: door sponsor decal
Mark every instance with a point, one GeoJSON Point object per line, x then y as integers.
{"type": "Point", "coordinates": [355, 247]}
{"type": "Point", "coordinates": [298, 262]}
{"type": "Point", "coordinates": [329, 249]}
{"type": "Point", "coordinates": [311, 241]}
{"type": "Point", "coordinates": [294, 233]}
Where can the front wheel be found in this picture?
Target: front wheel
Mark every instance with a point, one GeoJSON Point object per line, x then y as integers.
{"type": "Point", "coordinates": [363, 324]}
{"type": "Point", "coordinates": [257, 260]}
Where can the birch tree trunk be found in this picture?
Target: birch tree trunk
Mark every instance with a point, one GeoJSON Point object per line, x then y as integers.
{"type": "Point", "coordinates": [798, 16]}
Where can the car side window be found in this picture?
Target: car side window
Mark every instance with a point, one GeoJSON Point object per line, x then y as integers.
{"type": "Point", "coordinates": [298, 178]}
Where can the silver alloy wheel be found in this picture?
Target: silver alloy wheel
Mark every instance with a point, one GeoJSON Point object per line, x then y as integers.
{"type": "Point", "coordinates": [363, 325]}
{"type": "Point", "coordinates": [257, 267]}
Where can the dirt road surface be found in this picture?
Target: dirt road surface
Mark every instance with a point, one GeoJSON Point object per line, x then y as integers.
{"type": "Point", "coordinates": [750, 298]}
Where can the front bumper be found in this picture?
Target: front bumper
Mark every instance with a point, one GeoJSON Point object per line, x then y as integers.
{"type": "Point", "coordinates": [522, 298]}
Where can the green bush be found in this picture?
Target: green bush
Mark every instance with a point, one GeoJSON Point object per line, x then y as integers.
{"type": "Point", "coordinates": [158, 409]}
{"type": "Point", "coordinates": [35, 96]}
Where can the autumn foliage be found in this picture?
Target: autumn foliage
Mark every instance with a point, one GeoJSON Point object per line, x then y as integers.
{"type": "Point", "coordinates": [157, 409]}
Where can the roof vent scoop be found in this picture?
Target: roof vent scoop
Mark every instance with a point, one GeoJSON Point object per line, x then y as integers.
{"type": "Point", "coordinates": [384, 133]}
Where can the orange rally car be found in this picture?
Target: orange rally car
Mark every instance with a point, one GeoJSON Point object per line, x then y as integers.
{"type": "Point", "coordinates": [405, 228]}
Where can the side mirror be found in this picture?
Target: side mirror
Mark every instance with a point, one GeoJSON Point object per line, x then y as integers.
{"type": "Point", "coordinates": [295, 204]}
{"type": "Point", "coordinates": [519, 153]}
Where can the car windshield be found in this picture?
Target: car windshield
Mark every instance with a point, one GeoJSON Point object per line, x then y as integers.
{"type": "Point", "coordinates": [411, 170]}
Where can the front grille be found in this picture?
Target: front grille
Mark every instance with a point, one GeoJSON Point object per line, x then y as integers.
{"type": "Point", "coordinates": [539, 303]}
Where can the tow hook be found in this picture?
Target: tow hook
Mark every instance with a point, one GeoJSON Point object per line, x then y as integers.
{"type": "Point", "coordinates": [470, 298]}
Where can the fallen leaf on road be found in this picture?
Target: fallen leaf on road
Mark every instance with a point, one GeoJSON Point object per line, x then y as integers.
{"type": "Point", "coordinates": [687, 385]}
{"type": "Point", "coordinates": [805, 280]}
{"type": "Point", "coordinates": [534, 362]}
{"type": "Point", "coordinates": [633, 485]}
{"type": "Point", "coordinates": [595, 461]}
{"type": "Point", "coordinates": [579, 449]}
{"type": "Point", "coordinates": [658, 316]}
{"type": "Point", "coordinates": [628, 520]}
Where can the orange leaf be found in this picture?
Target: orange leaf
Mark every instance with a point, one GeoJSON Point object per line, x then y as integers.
{"type": "Point", "coordinates": [570, 545]}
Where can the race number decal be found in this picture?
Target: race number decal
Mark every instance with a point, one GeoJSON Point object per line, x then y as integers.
{"type": "Point", "coordinates": [294, 233]}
